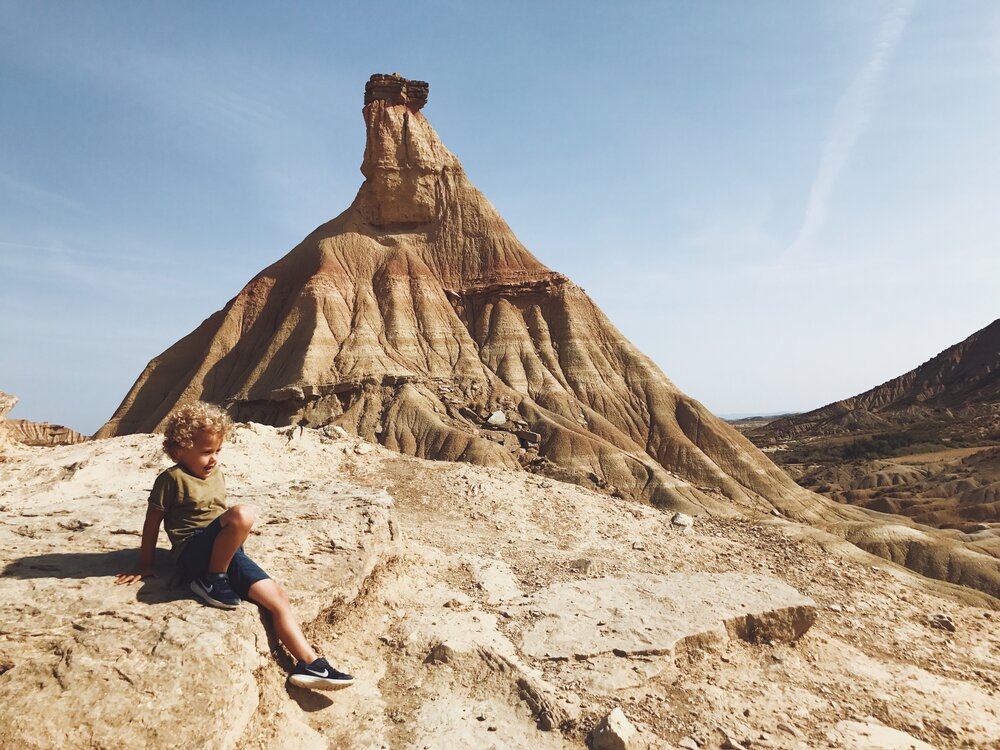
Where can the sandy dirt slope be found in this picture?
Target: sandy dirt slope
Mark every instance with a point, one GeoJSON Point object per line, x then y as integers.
{"type": "Point", "coordinates": [432, 582]}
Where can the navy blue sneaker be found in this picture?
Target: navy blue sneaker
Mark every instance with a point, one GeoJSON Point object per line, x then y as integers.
{"type": "Point", "coordinates": [215, 590]}
{"type": "Point", "coordinates": [319, 676]}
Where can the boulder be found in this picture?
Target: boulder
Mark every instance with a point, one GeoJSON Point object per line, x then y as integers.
{"type": "Point", "coordinates": [614, 732]}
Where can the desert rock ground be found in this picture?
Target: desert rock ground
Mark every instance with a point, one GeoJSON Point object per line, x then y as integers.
{"type": "Point", "coordinates": [439, 585]}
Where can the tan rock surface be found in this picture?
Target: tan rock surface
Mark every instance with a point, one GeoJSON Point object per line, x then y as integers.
{"type": "Point", "coordinates": [614, 732]}
{"type": "Point", "coordinates": [871, 735]}
{"type": "Point", "coordinates": [42, 433]}
{"type": "Point", "coordinates": [7, 402]}
{"type": "Point", "coordinates": [419, 598]}
{"type": "Point", "coordinates": [91, 664]}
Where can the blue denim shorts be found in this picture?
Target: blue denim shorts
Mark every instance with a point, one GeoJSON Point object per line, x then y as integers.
{"type": "Point", "coordinates": [197, 553]}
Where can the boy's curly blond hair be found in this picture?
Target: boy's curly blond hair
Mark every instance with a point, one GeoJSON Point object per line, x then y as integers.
{"type": "Point", "coordinates": [188, 421]}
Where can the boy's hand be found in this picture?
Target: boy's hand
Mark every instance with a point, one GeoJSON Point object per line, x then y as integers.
{"type": "Point", "coordinates": [135, 576]}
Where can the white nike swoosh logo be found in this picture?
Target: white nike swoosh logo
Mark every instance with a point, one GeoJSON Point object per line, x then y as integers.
{"type": "Point", "coordinates": [208, 589]}
{"type": "Point", "coordinates": [324, 673]}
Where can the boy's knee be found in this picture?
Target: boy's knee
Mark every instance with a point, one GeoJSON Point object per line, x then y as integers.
{"type": "Point", "coordinates": [272, 597]}
{"type": "Point", "coordinates": [281, 596]}
{"type": "Point", "coordinates": [243, 515]}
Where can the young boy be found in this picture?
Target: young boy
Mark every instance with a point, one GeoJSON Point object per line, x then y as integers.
{"type": "Point", "coordinates": [207, 538]}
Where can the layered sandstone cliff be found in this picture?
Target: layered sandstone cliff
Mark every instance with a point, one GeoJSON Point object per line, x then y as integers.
{"type": "Point", "coordinates": [26, 432]}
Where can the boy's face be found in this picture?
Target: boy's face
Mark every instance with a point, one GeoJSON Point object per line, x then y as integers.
{"type": "Point", "coordinates": [199, 460]}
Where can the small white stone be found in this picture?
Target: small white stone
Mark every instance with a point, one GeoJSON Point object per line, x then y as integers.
{"type": "Point", "coordinates": [497, 419]}
{"type": "Point", "coordinates": [682, 520]}
{"type": "Point", "coordinates": [335, 430]}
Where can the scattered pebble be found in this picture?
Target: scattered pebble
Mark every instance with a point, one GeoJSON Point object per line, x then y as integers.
{"type": "Point", "coordinates": [941, 622]}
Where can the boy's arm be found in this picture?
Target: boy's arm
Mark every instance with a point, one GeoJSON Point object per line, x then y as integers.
{"type": "Point", "coordinates": [150, 532]}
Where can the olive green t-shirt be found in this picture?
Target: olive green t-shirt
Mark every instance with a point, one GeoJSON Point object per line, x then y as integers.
{"type": "Point", "coordinates": [189, 503]}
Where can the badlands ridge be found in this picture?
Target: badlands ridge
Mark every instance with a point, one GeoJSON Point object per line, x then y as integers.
{"type": "Point", "coordinates": [925, 445]}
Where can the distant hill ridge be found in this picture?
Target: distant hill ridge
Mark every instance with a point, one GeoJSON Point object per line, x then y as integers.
{"type": "Point", "coordinates": [963, 382]}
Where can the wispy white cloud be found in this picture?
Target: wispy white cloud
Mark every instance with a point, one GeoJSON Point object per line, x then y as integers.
{"type": "Point", "coordinates": [265, 108]}
{"type": "Point", "coordinates": [36, 193]}
{"type": "Point", "coordinates": [120, 274]}
{"type": "Point", "coordinates": [850, 121]}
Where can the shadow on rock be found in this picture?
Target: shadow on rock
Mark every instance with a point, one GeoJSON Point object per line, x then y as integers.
{"type": "Point", "coordinates": [166, 586]}
{"type": "Point", "coordinates": [308, 700]}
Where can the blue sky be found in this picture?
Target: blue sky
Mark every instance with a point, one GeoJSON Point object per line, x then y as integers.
{"type": "Point", "coordinates": [782, 204]}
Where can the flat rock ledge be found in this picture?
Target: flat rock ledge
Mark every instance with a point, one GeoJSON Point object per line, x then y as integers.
{"type": "Point", "coordinates": [651, 615]}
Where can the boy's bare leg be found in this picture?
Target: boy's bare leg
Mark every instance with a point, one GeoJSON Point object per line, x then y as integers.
{"type": "Point", "coordinates": [272, 597]}
{"type": "Point", "coordinates": [236, 523]}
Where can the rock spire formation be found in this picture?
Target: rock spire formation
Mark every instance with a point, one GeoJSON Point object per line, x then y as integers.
{"type": "Point", "coordinates": [417, 319]}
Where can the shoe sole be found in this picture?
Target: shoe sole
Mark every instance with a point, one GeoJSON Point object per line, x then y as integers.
{"type": "Point", "coordinates": [318, 683]}
{"type": "Point", "coordinates": [203, 595]}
